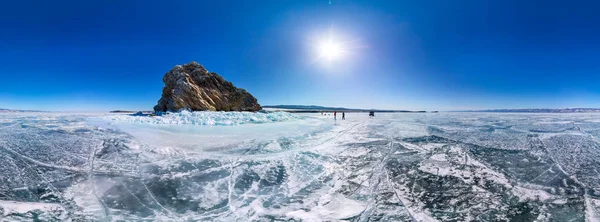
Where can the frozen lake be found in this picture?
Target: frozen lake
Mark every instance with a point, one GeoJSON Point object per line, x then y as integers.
{"type": "Point", "coordinates": [300, 167]}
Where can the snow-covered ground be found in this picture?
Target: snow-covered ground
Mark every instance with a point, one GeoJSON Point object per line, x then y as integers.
{"type": "Point", "coordinates": [214, 166]}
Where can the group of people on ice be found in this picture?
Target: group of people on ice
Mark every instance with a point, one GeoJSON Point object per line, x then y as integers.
{"type": "Point", "coordinates": [335, 115]}
{"type": "Point", "coordinates": [371, 114]}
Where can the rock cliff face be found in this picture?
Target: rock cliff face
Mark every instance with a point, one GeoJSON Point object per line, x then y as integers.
{"type": "Point", "coordinates": [192, 87]}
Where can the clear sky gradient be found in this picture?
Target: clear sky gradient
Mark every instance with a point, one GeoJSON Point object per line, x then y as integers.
{"type": "Point", "coordinates": [420, 55]}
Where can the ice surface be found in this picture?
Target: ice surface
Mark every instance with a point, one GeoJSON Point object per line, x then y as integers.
{"type": "Point", "coordinates": [214, 166]}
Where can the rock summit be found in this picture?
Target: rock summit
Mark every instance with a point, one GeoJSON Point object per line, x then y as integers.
{"type": "Point", "coordinates": [192, 87]}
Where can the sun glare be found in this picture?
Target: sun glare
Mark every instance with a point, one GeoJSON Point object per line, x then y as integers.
{"type": "Point", "coordinates": [330, 50]}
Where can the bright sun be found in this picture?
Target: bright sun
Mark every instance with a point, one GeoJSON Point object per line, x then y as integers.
{"type": "Point", "coordinates": [330, 50]}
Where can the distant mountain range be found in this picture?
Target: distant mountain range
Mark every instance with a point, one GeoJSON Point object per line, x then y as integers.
{"type": "Point", "coordinates": [563, 110]}
{"type": "Point", "coordinates": [17, 111]}
{"type": "Point", "coordinates": [313, 108]}
{"type": "Point", "coordinates": [131, 111]}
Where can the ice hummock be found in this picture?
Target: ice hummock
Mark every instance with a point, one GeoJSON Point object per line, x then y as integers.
{"type": "Point", "coordinates": [207, 118]}
{"type": "Point", "coordinates": [222, 131]}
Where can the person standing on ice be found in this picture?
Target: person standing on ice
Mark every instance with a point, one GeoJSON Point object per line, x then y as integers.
{"type": "Point", "coordinates": [334, 115]}
{"type": "Point", "coordinates": [343, 115]}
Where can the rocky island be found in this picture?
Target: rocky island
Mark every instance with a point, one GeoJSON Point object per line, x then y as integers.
{"type": "Point", "coordinates": [192, 87]}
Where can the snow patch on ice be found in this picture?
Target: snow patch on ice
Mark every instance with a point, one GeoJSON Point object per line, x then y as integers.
{"type": "Point", "coordinates": [592, 209]}
{"type": "Point", "coordinates": [439, 157]}
{"type": "Point", "coordinates": [525, 194]}
{"type": "Point", "coordinates": [8, 208]}
{"type": "Point", "coordinates": [336, 207]}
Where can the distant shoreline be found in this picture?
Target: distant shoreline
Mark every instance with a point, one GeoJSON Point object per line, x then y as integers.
{"type": "Point", "coordinates": [129, 111]}
{"type": "Point", "coordinates": [348, 111]}
{"type": "Point", "coordinates": [563, 110]}
{"type": "Point", "coordinates": [320, 109]}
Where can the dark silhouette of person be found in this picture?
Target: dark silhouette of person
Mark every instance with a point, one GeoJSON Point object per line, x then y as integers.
{"type": "Point", "coordinates": [343, 115]}
{"type": "Point", "coordinates": [335, 115]}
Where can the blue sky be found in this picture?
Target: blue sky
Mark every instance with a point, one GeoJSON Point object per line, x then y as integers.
{"type": "Point", "coordinates": [431, 55]}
